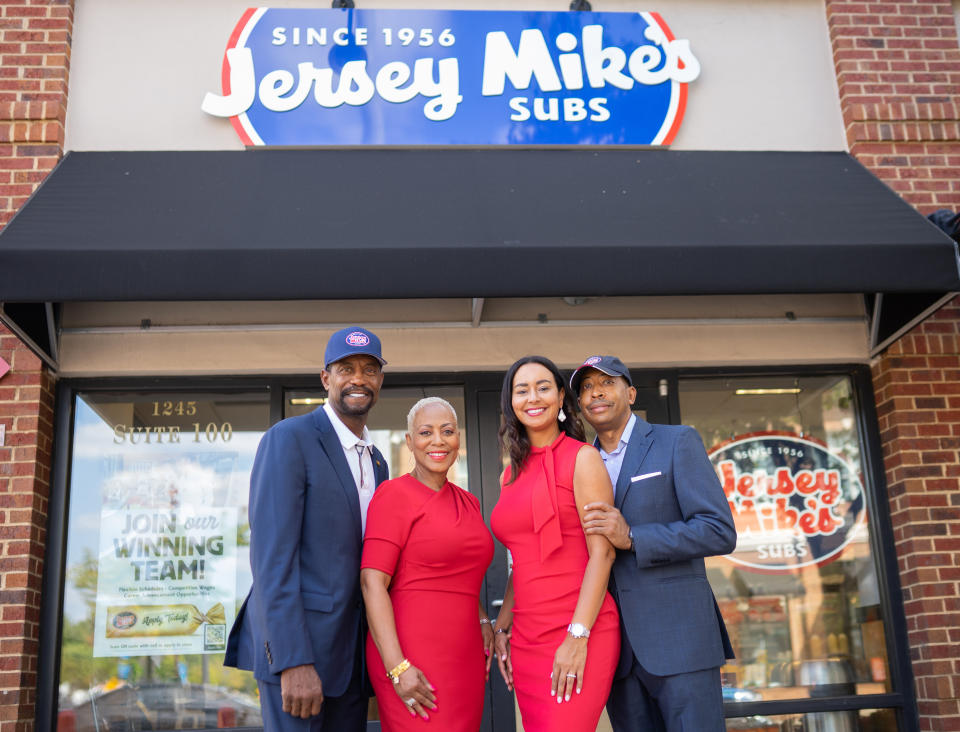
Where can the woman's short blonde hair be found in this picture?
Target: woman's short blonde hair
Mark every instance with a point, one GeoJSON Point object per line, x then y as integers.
{"type": "Point", "coordinates": [426, 402]}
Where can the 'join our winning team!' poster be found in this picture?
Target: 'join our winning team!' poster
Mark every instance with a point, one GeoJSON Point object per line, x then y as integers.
{"type": "Point", "coordinates": [166, 572]}
{"type": "Point", "coordinates": [166, 581]}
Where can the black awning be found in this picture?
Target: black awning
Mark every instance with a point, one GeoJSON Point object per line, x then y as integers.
{"type": "Point", "coordinates": [397, 223]}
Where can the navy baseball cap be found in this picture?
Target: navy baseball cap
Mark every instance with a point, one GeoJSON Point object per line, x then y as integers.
{"type": "Point", "coordinates": [610, 365]}
{"type": "Point", "coordinates": [352, 341]}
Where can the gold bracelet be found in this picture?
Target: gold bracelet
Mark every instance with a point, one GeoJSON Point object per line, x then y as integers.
{"type": "Point", "coordinates": [394, 673]}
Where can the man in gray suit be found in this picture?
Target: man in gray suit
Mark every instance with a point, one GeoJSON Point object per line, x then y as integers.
{"type": "Point", "coordinates": [669, 513]}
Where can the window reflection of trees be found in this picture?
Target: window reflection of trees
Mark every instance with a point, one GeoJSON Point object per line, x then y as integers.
{"type": "Point", "coordinates": [111, 471]}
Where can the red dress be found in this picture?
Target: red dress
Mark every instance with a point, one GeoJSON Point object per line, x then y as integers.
{"type": "Point", "coordinates": [536, 518]}
{"type": "Point", "coordinates": [437, 548]}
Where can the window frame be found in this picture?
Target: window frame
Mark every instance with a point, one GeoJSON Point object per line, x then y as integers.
{"type": "Point", "coordinates": [902, 698]}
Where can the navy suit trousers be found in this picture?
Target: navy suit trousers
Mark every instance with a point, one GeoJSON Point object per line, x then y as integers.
{"type": "Point", "coordinates": [687, 702]}
{"type": "Point", "coordinates": [344, 713]}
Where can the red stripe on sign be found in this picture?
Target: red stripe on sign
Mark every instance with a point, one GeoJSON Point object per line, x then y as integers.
{"type": "Point", "coordinates": [225, 71]}
{"type": "Point", "coordinates": [682, 94]}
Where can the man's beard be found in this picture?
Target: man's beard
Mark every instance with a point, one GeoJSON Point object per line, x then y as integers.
{"type": "Point", "coordinates": [342, 407]}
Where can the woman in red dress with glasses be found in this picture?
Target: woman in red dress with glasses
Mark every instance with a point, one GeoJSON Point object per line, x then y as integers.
{"type": "Point", "coordinates": [558, 633]}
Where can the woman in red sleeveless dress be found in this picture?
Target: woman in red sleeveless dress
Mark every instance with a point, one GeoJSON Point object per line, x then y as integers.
{"type": "Point", "coordinates": [557, 634]}
{"type": "Point", "coordinates": [425, 552]}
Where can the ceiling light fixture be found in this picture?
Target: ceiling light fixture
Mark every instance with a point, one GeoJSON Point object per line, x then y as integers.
{"type": "Point", "coordinates": [307, 401]}
{"type": "Point", "coordinates": [755, 392]}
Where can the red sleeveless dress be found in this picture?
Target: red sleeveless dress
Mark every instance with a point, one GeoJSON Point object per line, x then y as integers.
{"type": "Point", "coordinates": [536, 519]}
{"type": "Point", "coordinates": [437, 548]}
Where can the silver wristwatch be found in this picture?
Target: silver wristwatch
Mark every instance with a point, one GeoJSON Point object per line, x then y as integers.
{"type": "Point", "coordinates": [578, 630]}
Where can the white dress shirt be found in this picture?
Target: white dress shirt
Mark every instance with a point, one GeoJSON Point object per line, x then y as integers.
{"type": "Point", "coordinates": [358, 451]}
{"type": "Point", "coordinates": [613, 461]}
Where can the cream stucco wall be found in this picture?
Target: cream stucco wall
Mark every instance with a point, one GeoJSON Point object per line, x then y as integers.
{"type": "Point", "coordinates": [462, 349]}
{"type": "Point", "coordinates": [140, 69]}
{"type": "Point", "coordinates": [181, 339]}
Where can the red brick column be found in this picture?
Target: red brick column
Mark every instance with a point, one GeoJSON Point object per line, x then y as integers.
{"type": "Point", "coordinates": [26, 412]}
{"type": "Point", "coordinates": [898, 71]}
{"type": "Point", "coordinates": [917, 383]}
{"type": "Point", "coordinates": [898, 74]}
{"type": "Point", "coordinates": [34, 66]}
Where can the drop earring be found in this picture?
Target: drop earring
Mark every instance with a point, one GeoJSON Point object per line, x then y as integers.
{"type": "Point", "coordinates": [561, 417]}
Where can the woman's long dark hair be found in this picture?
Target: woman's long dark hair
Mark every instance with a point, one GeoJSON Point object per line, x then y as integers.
{"type": "Point", "coordinates": [513, 435]}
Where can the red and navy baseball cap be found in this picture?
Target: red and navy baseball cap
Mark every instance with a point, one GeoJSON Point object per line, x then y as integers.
{"type": "Point", "coordinates": [352, 341]}
{"type": "Point", "coordinates": [610, 365]}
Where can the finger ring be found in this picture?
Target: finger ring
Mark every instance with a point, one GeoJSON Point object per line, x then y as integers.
{"type": "Point", "coordinates": [410, 702]}
{"type": "Point", "coordinates": [571, 676]}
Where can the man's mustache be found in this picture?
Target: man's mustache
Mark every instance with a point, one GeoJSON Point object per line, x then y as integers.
{"type": "Point", "coordinates": [354, 390]}
{"type": "Point", "coordinates": [600, 403]}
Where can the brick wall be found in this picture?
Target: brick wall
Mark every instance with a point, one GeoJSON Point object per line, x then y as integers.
{"type": "Point", "coordinates": [898, 72]}
{"type": "Point", "coordinates": [26, 411]}
{"type": "Point", "coordinates": [917, 384]}
{"type": "Point", "coordinates": [34, 64]}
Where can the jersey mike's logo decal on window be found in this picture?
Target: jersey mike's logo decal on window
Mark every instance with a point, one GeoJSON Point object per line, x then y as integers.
{"type": "Point", "coordinates": [795, 503]}
{"type": "Point", "coordinates": [124, 620]}
{"type": "Point", "coordinates": [453, 77]}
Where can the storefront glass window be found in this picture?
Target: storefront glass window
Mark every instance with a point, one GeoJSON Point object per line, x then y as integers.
{"type": "Point", "coordinates": [388, 423]}
{"type": "Point", "coordinates": [799, 595]}
{"type": "Point", "coordinates": [863, 720]}
{"type": "Point", "coordinates": [157, 560]}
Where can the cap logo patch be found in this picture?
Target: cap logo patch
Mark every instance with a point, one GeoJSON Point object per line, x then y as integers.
{"type": "Point", "coordinates": [592, 360]}
{"type": "Point", "coordinates": [357, 339]}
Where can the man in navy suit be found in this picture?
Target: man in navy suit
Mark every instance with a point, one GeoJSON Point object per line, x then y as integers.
{"type": "Point", "coordinates": [670, 512]}
{"type": "Point", "coordinates": [300, 629]}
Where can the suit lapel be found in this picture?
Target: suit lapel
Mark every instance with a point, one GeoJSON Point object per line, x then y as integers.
{"type": "Point", "coordinates": [380, 470]}
{"type": "Point", "coordinates": [331, 445]}
{"type": "Point", "coordinates": [637, 448]}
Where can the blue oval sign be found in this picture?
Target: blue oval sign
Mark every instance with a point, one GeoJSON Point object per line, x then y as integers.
{"type": "Point", "coordinates": [453, 77]}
